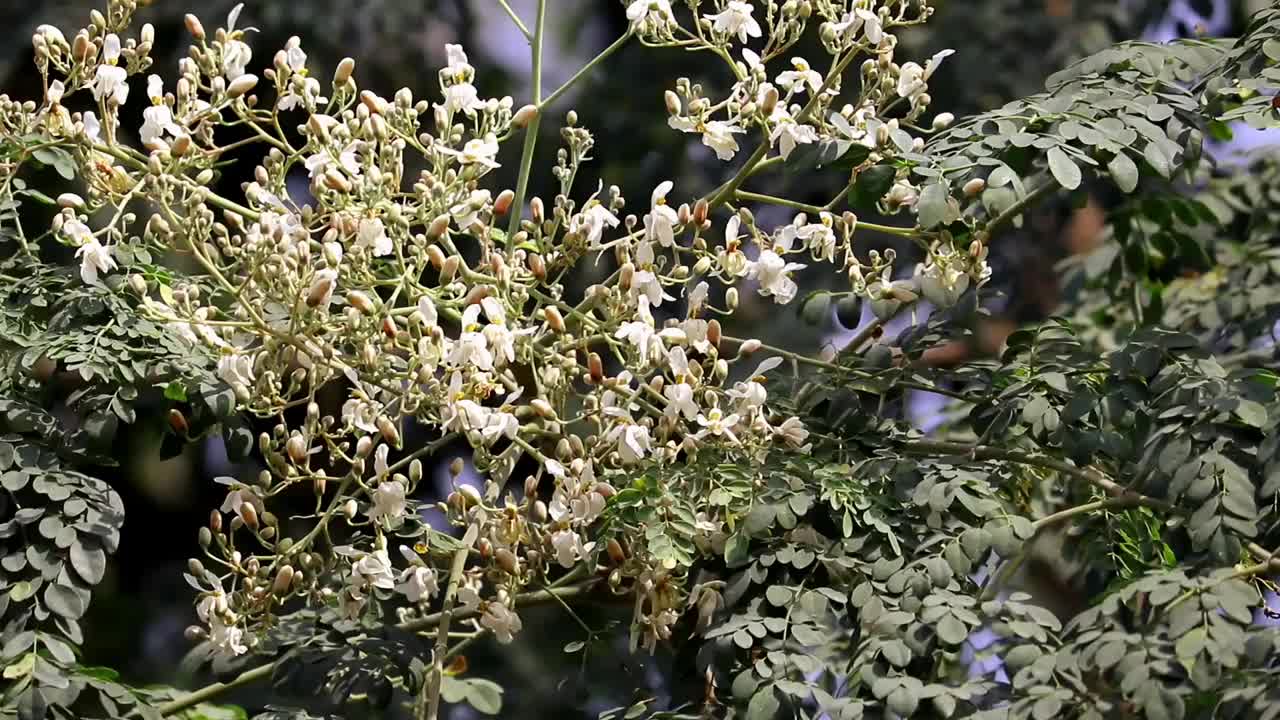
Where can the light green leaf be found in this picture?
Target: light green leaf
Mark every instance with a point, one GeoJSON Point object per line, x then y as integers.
{"type": "Point", "coordinates": [1124, 171]}
{"type": "Point", "coordinates": [1064, 169]}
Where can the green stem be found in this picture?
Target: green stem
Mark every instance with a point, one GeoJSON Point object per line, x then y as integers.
{"type": "Point", "coordinates": [617, 45]}
{"type": "Point", "coordinates": [814, 209]}
{"type": "Point", "coordinates": [432, 688]}
{"type": "Point", "coordinates": [1019, 207]}
{"type": "Point", "coordinates": [531, 132]}
{"type": "Point", "coordinates": [516, 19]}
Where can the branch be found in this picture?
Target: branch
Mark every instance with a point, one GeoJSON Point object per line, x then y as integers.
{"type": "Point", "coordinates": [432, 688]}
{"type": "Point", "coordinates": [531, 131]}
{"type": "Point", "coordinates": [209, 692]}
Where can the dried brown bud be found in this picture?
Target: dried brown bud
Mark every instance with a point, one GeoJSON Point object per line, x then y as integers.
{"type": "Point", "coordinates": [450, 269]}
{"type": "Point", "coordinates": [371, 101]}
{"type": "Point", "coordinates": [361, 302]}
{"type": "Point", "coordinates": [436, 256]}
{"type": "Point", "coordinates": [536, 210]}
{"type": "Point", "coordinates": [713, 333]}
{"type": "Point", "coordinates": [486, 549]}
{"type": "Point", "coordinates": [700, 211]}
{"type": "Point", "coordinates": [595, 367]}
{"type": "Point", "coordinates": [537, 266]}
{"type": "Point", "coordinates": [626, 274]}
{"type": "Point", "coordinates": [178, 421]}
{"type": "Point", "coordinates": [389, 431]}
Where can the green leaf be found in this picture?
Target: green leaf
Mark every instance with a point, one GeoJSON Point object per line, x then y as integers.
{"type": "Point", "coordinates": [90, 563]}
{"type": "Point", "coordinates": [175, 391]}
{"type": "Point", "coordinates": [1124, 171]}
{"type": "Point", "coordinates": [870, 185]}
{"type": "Point", "coordinates": [764, 704]}
{"type": "Point", "coordinates": [1251, 413]}
{"type": "Point", "coordinates": [933, 207]}
{"type": "Point", "coordinates": [58, 159]}
{"type": "Point", "coordinates": [1158, 159]}
{"type": "Point", "coordinates": [484, 695]}
{"type": "Point", "coordinates": [736, 549]}
{"type": "Point", "coordinates": [1064, 169]}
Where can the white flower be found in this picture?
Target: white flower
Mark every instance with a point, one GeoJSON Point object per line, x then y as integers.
{"type": "Point", "coordinates": [913, 79]}
{"type": "Point", "coordinates": [860, 19]}
{"type": "Point", "coordinates": [212, 610]}
{"type": "Point", "coordinates": [388, 502]}
{"type": "Point", "coordinates": [501, 621]}
{"type": "Point", "coordinates": [372, 235]}
{"type": "Point", "coordinates": [469, 593]}
{"type": "Point", "coordinates": [237, 498]}
{"type": "Point", "coordinates": [417, 583]}
{"type": "Point", "coordinates": [661, 219]}
{"type": "Point", "coordinates": [650, 15]}
{"type": "Point", "coordinates": [375, 569]}
{"type": "Point", "coordinates": [569, 547]}
{"type": "Point", "coordinates": [236, 369]}
{"type": "Point", "coordinates": [642, 335]}
{"type": "Point", "coordinates": [53, 95]}
{"type": "Point", "coordinates": [157, 119]}
{"type": "Point", "coordinates": [801, 75]}
{"type": "Point", "coordinates": [462, 96]}
{"type": "Point", "coordinates": [792, 432]}
{"type": "Point", "coordinates": [592, 221]}
{"type": "Point", "coordinates": [476, 152]}
{"type": "Point", "coordinates": [294, 56]}
{"type": "Point", "coordinates": [360, 414]}
{"type": "Point", "coordinates": [680, 401]}
{"type": "Point", "coordinates": [92, 128]}
{"type": "Point", "coordinates": [458, 67]}
{"type": "Point", "coordinates": [633, 441]}
{"type": "Point", "coordinates": [942, 283]}
{"type": "Point", "coordinates": [788, 133]}
{"type": "Point", "coordinates": [736, 19]}
{"type": "Point", "coordinates": [110, 81]}
{"type": "Point", "coordinates": [716, 423]}
{"type": "Point", "coordinates": [697, 298]}
{"type": "Point", "coordinates": [718, 135]}
{"type": "Point", "coordinates": [94, 258]}
{"type": "Point", "coordinates": [773, 274]}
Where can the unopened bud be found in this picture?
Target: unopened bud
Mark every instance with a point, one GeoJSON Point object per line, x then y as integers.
{"type": "Point", "coordinates": [205, 537]}
{"type": "Point", "coordinates": [349, 508]}
{"type": "Point", "coordinates": [524, 116]}
{"type": "Point", "coordinates": [360, 302]}
{"type": "Point", "coordinates": [942, 121]}
{"type": "Point", "coordinates": [456, 466]}
{"type": "Point", "coordinates": [554, 319]}
{"type": "Point", "coordinates": [673, 102]}
{"type": "Point", "coordinates": [364, 446]}
{"type": "Point", "coordinates": [625, 275]}
{"type": "Point", "coordinates": [297, 449]}
{"type": "Point", "coordinates": [543, 408]}
{"type": "Point", "coordinates": [215, 521]}
{"type": "Point", "coordinates": [770, 101]}
{"type": "Point", "coordinates": [731, 298]}
{"type": "Point", "coordinates": [343, 72]}
{"type": "Point", "coordinates": [181, 145]}
{"type": "Point", "coordinates": [241, 85]}
{"type": "Point", "coordinates": [249, 515]}
{"type": "Point", "coordinates": [536, 210]}
{"type": "Point", "coordinates": [507, 561]}
{"type": "Point", "coordinates": [974, 186]}
{"type": "Point", "coordinates": [616, 555]}
{"type": "Point", "coordinates": [503, 203]}
{"type": "Point", "coordinates": [713, 332]}
{"type": "Point", "coordinates": [194, 26]}
{"type": "Point", "coordinates": [700, 211]}
{"type": "Point", "coordinates": [595, 367]}
{"type": "Point", "coordinates": [749, 346]}
{"type": "Point", "coordinates": [70, 200]}
{"type": "Point", "coordinates": [284, 579]}
{"type": "Point", "coordinates": [389, 431]}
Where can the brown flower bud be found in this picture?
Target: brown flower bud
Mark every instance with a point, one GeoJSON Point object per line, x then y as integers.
{"type": "Point", "coordinates": [537, 266]}
{"type": "Point", "coordinates": [436, 256]}
{"type": "Point", "coordinates": [178, 421]}
{"type": "Point", "coordinates": [543, 408]}
{"type": "Point", "coordinates": [673, 102]}
{"type": "Point", "coordinates": [713, 333]}
{"type": "Point", "coordinates": [554, 319]}
{"type": "Point", "coordinates": [215, 521]}
{"type": "Point", "coordinates": [974, 186]}
{"type": "Point", "coordinates": [70, 200]}
{"type": "Point", "coordinates": [450, 268]}
{"type": "Point", "coordinates": [536, 210]}
{"type": "Point", "coordinates": [249, 515]}
{"type": "Point", "coordinates": [524, 116]}
{"type": "Point", "coordinates": [616, 554]}
{"type": "Point", "coordinates": [456, 466]}
{"type": "Point", "coordinates": [361, 302]}
{"type": "Point", "coordinates": [749, 346]}
{"type": "Point", "coordinates": [194, 26]}
{"type": "Point", "coordinates": [503, 202]}
{"type": "Point", "coordinates": [297, 449]}
{"type": "Point", "coordinates": [283, 581]}
{"type": "Point", "coordinates": [507, 561]}
{"type": "Point", "coordinates": [371, 101]}
{"type": "Point", "coordinates": [389, 431]}
{"type": "Point", "coordinates": [486, 549]}
{"type": "Point", "coordinates": [595, 368]}
{"type": "Point", "coordinates": [700, 211]}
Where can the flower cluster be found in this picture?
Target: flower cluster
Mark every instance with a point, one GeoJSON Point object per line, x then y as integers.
{"type": "Point", "coordinates": [438, 301]}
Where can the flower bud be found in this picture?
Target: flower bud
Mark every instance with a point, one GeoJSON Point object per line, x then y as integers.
{"type": "Point", "coordinates": [524, 116]}
{"type": "Point", "coordinates": [673, 102]}
{"type": "Point", "coordinates": [297, 449]}
{"type": "Point", "coordinates": [595, 367]}
{"type": "Point", "coordinates": [194, 26]}
{"type": "Point", "coordinates": [974, 186]}
{"type": "Point", "coordinates": [343, 72]}
{"type": "Point", "coordinates": [554, 319]}
{"type": "Point", "coordinates": [361, 302]}
{"type": "Point", "coordinates": [178, 421]}
{"type": "Point", "coordinates": [215, 521]}
{"type": "Point", "coordinates": [543, 408]}
{"type": "Point", "coordinates": [70, 200]}
{"type": "Point", "coordinates": [942, 121]}
{"type": "Point", "coordinates": [503, 203]}
{"type": "Point", "coordinates": [450, 269]}
{"type": "Point", "coordinates": [770, 102]}
{"type": "Point", "coordinates": [507, 561]}
{"type": "Point", "coordinates": [616, 555]}
{"type": "Point", "coordinates": [284, 578]}
{"type": "Point", "coordinates": [749, 346]}
{"type": "Point", "coordinates": [349, 508]}
{"type": "Point", "coordinates": [364, 446]}
{"type": "Point", "coordinates": [731, 299]}
{"type": "Point", "coordinates": [242, 85]}
{"type": "Point", "coordinates": [536, 211]}
{"type": "Point", "coordinates": [389, 431]}
{"type": "Point", "coordinates": [713, 332]}
{"type": "Point", "coordinates": [249, 515]}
